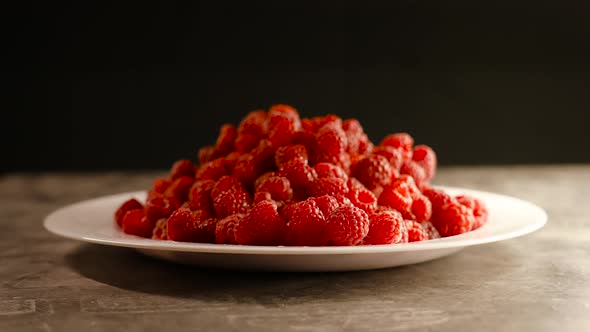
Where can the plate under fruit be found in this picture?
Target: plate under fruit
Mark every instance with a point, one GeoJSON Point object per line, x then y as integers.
{"type": "Point", "coordinates": [92, 221]}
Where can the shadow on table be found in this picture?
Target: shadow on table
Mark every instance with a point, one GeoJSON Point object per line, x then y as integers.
{"type": "Point", "coordinates": [130, 270]}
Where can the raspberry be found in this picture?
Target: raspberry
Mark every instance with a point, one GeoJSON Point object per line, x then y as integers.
{"type": "Point", "coordinates": [252, 128]}
{"type": "Point", "coordinates": [283, 123]}
{"type": "Point", "coordinates": [230, 161]}
{"type": "Point", "coordinates": [261, 226]}
{"type": "Point", "coordinates": [425, 157]}
{"type": "Point", "coordinates": [212, 170]}
{"type": "Point", "coordinates": [331, 140]}
{"type": "Point", "coordinates": [402, 141]}
{"type": "Point", "coordinates": [306, 139]}
{"type": "Point", "coordinates": [160, 230]}
{"type": "Point", "coordinates": [386, 227]}
{"type": "Point", "coordinates": [160, 185]}
{"type": "Point", "coordinates": [341, 160]}
{"type": "Point", "coordinates": [225, 184]}
{"type": "Point", "coordinates": [224, 230]}
{"type": "Point", "coordinates": [363, 199]}
{"type": "Point", "coordinates": [307, 225]}
{"type": "Point", "coordinates": [327, 186]}
{"type": "Point", "coordinates": [159, 206]}
{"type": "Point", "coordinates": [246, 142]}
{"type": "Point", "coordinates": [185, 225]}
{"type": "Point", "coordinates": [452, 219]}
{"type": "Point", "coordinates": [393, 155]}
{"type": "Point", "coordinates": [263, 156]}
{"type": "Point", "coordinates": [354, 134]}
{"type": "Point", "coordinates": [286, 211]}
{"type": "Point", "coordinates": [430, 230]}
{"type": "Point", "coordinates": [421, 208]}
{"type": "Point", "coordinates": [327, 204]}
{"type": "Point", "coordinates": [299, 175]}
{"type": "Point", "coordinates": [180, 188]}
{"type": "Point", "coordinates": [438, 198]}
{"type": "Point", "coordinates": [347, 226]}
{"type": "Point", "coordinates": [365, 145]}
{"type": "Point", "coordinates": [278, 186]}
{"type": "Point", "coordinates": [199, 196]}
{"type": "Point", "coordinates": [245, 169]}
{"type": "Point", "coordinates": [134, 222]}
{"type": "Point", "coordinates": [398, 198]}
{"type": "Point", "coordinates": [373, 171]}
{"type": "Point", "coordinates": [327, 170]}
{"type": "Point", "coordinates": [226, 139]}
{"type": "Point", "coordinates": [129, 205]}
{"type": "Point", "coordinates": [416, 171]}
{"type": "Point", "coordinates": [206, 154]}
{"type": "Point", "coordinates": [291, 154]}
{"type": "Point", "coordinates": [342, 201]}
{"type": "Point", "coordinates": [480, 212]}
{"type": "Point", "coordinates": [415, 231]}
{"type": "Point", "coordinates": [231, 202]}
{"type": "Point", "coordinates": [182, 168]}
{"type": "Point", "coordinates": [260, 196]}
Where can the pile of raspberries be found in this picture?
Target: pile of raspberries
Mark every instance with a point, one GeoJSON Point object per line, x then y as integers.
{"type": "Point", "coordinates": [277, 179]}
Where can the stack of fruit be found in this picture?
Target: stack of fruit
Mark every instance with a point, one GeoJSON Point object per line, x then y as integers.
{"type": "Point", "coordinates": [277, 179]}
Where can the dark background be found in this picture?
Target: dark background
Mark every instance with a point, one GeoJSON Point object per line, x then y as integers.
{"type": "Point", "coordinates": [133, 86]}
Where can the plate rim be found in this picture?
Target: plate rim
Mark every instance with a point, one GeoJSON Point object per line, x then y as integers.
{"type": "Point", "coordinates": [462, 240]}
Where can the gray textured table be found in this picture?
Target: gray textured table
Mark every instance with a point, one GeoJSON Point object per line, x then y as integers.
{"type": "Point", "coordinates": [540, 282]}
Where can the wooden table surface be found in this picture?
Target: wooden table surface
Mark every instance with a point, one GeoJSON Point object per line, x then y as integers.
{"type": "Point", "coordinates": [540, 282]}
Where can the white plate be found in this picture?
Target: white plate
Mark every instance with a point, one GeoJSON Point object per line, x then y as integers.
{"type": "Point", "coordinates": [92, 221]}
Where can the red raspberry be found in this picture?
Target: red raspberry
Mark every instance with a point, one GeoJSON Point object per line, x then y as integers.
{"type": "Point", "coordinates": [415, 231]}
{"type": "Point", "coordinates": [231, 202]}
{"type": "Point", "coordinates": [180, 188]}
{"type": "Point", "coordinates": [225, 184]}
{"type": "Point", "coordinates": [159, 206]}
{"type": "Point", "coordinates": [261, 226]}
{"type": "Point", "coordinates": [160, 185]}
{"type": "Point", "coordinates": [182, 168]}
{"type": "Point", "coordinates": [327, 170]}
{"type": "Point", "coordinates": [283, 123]}
{"type": "Point", "coordinates": [260, 196]}
{"type": "Point", "coordinates": [354, 135]}
{"type": "Point", "coordinates": [430, 230]}
{"type": "Point", "coordinates": [307, 225]}
{"type": "Point", "coordinates": [212, 170]}
{"type": "Point", "coordinates": [347, 226]}
{"type": "Point", "coordinates": [341, 160]}
{"type": "Point", "coordinates": [366, 147]}
{"type": "Point", "coordinates": [129, 205]}
{"type": "Point", "coordinates": [291, 154]}
{"type": "Point", "coordinates": [160, 230]}
{"type": "Point", "coordinates": [263, 156]}
{"type": "Point", "coordinates": [402, 141]}
{"type": "Point", "coordinates": [231, 160]}
{"type": "Point", "coordinates": [206, 154]}
{"type": "Point", "coordinates": [306, 139]}
{"type": "Point", "coordinates": [224, 231]}
{"type": "Point", "coordinates": [415, 171]}
{"type": "Point", "coordinates": [452, 219]}
{"type": "Point", "coordinates": [286, 211]}
{"type": "Point", "coordinates": [421, 208]}
{"type": "Point", "coordinates": [299, 175]}
{"type": "Point", "coordinates": [438, 198]}
{"type": "Point", "coordinates": [245, 170]}
{"type": "Point", "coordinates": [331, 140]}
{"type": "Point", "coordinates": [263, 178]}
{"type": "Point", "coordinates": [363, 199]}
{"type": "Point", "coordinates": [480, 212]}
{"type": "Point", "coordinates": [327, 204]}
{"type": "Point", "coordinates": [226, 139]}
{"type": "Point", "coordinates": [393, 155]}
{"type": "Point", "coordinates": [386, 227]}
{"type": "Point", "coordinates": [342, 201]}
{"type": "Point", "coordinates": [327, 186]}
{"type": "Point", "coordinates": [278, 186]}
{"type": "Point", "coordinates": [398, 198]}
{"type": "Point", "coordinates": [425, 157]}
{"type": "Point", "coordinates": [373, 171]}
{"type": "Point", "coordinates": [246, 142]}
{"type": "Point", "coordinates": [185, 225]}
{"type": "Point", "coordinates": [252, 128]}
{"type": "Point", "coordinates": [135, 222]}
{"type": "Point", "coordinates": [199, 196]}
